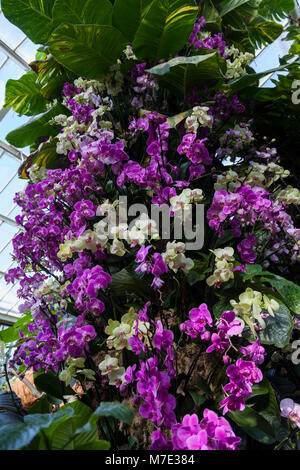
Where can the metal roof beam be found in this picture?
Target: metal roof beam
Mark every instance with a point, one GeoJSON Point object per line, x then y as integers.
{"type": "Point", "coordinates": [14, 56]}
{"type": "Point", "coordinates": [8, 220]}
{"type": "Point", "coordinates": [13, 152]}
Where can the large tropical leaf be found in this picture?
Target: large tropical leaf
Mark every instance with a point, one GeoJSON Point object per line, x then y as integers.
{"type": "Point", "coordinates": [51, 76]}
{"type": "Point", "coordinates": [278, 328]}
{"type": "Point", "coordinates": [182, 73]}
{"type": "Point", "coordinates": [87, 50]}
{"type": "Point", "coordinates": [165, 29]}
{"type": "Point", "coordinates": [261, 417]}
{"type": "Point", "coordinates": [276, 9]}
{"type": "Point", "coordinates": [49, 383]}
{"type": "Point", "coordinates": [24, 95]}
{"type": "Point", "coordinates": [46, 156]}
{"type": "Point", "coordinates": [262, 31]}
{"type": "Point", "coordinates": [33, 17]}
{"type": "Point", "coordinates": [210, 13]}
{"type": "Point", "coordinates": [82, 12]}
{"type": "Point", "coordinates": [128, 15]}
{"type": "Point", "coordinates": [11, 334]}
{"type": "Point", "coordinates": [60, 438]}
{"type": "Point", "coordinates": [40, 127]}
{"type": "Point", "coordinates": [236, 12]}
{"type": "Point", "coordinates": [289, 291]}
{"type": "Point", "coordinates": [251, 79]}
{"type": "Point", "coordinates": [17, 435]}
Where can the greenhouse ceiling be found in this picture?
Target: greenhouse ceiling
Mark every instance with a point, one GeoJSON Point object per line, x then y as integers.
{"type": "Point", "coordinates": [16, 51]}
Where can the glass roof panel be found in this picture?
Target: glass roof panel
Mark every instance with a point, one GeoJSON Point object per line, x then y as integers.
{"type": "Point", "coordinates": [15, 52]}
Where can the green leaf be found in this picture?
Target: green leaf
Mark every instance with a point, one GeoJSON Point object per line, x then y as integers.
{"type": "Point", "coordinates": [24, 95]}
{"type": "Point", "coordinates": [28, 133]}
{"type": "Point", "coordinates": [228, 6]}
{"type": "Point", "coordinates": [278, 328]}
{"type": "Point", "coordinates": [183, 73]}
{"type": "Point", "coordinates": [276, 9]}
{"type": "Point", "coordinates": [49, 383]}
{"type": "Point", "coordinates": [18, 435]}
{"type": "Point", "coordinates": [33, 17]}
{"type": "Point", "coordinates": [235, 13]}
{"type": "Point", "coordinates": [45, 157]}
{"type": "Point", "coordinates": [128, 15]}
{"type": "Point", "coordinates": [222, 306]}
{"type": "Point", "coordinates": [123, 282]}
{"type": "Point", "coordinates": [210, 13]}
{"type": "Point", "coordinates": [260, 388]}
{"type": "Point", "coordinates": [165, 29]}
{"type": "Point", "coordinates": [82, 12]}
{"type": "Point", "coordinates": [197, 397]}
{"type": "Point", "coordinates": [88, 49]}
{"type": "Point", "coordinates": [40, 406]}
{"type": "Point", "coordinates": [252, 78]}
{"type": "Point", "coordinates": [266, 405]}
{"type": "Point", "coordinates": [253, 424]}
{"type": "Point", "coordinates": [262, 31]}
{"type": "Point", "coordinates": [173, 121]}
{"type": "Point", "coordinates": [289, 291]}
{"type": "Point", "coordinates": [115, 410]}
{"type": "Point", "coordinates": [254, 270]}
{"type": "Point", "coordinates": [11, 334]}
{"type": "Point", "coordinates": [94, 445]}
{"type": "Point", "coordinates": [61, 436]}
{"type": "Point", "coordinates": [194, 276]}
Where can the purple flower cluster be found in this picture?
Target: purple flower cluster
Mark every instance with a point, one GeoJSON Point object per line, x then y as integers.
{"type": "Point", "coordinates": [143, 85]}
{"type": "Point", "coordinates": [211, 433]}
{"type": "Point", "coordinates": [194, 149]}
{"type": "Point", "coordinates": [49, 347]}
{"type": "Point", "coordinates": [242, 375]}
{"type": "Point", "coordinates": [228, 325]}
{"type": "Point", "coordinates": [199, 318]}
{"type": "Point", "coordinates": [250, 206]}
{"type": "Point", "coordinates": [155, 266]}
{"type": "Point", "coordinates": [152, 388]}
{"type": "Point", "coordinates": [85, 290]}
{"type": "Point", "coordinates": [209, 42]}
{"type": "Point", "coordinates": [245, 249]}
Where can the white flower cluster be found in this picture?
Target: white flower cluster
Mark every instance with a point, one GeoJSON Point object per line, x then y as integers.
{"type": "Point", "coordinates": [175, 258]}
{"type": "Point", "coordinates": [74, 367]}
{"type": "Point", "coordinates": [287, 196]}
{"type": "Point", "coordinates": [224, 265]}
{"type": "Point", "coordinates": [263, 175]}
{"type": "Point", "coordinates": [73, 131]}
{"type": "Point", "coordinates": [237, 62]}
{"type": "Point", "coordinates": [119, 334]}
{"type": "Point", "coordinates": [199, 117]}
{"type": "Point", "coordinates": [110, 234]}
{"type": "Point", "coordinates": [250, 308]}
{"type": "Point", "coordinates": [181, 205]}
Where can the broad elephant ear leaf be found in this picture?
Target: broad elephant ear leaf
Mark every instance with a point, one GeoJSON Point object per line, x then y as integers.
{"type": "Point", "coordinates": [24, 95]}
{"type": "Point", "coordinates": [182, 73]}
{"type": "Point", "coordinates": [276, 9]}
{"type": "Point", "coordinates": [262, 31]}
{"type": "Point", "coordinates": [88, 49]}
{"type": "Point", "coordinates": [278, 328]}
{"type": "Point", "coordinates": [128, 15]}
{"type": "Point", "coordinates": [33, 17]}
{"type": "Point", "coordinates": [28, 133]}
{"type": "Point", "coordinates": [165, 29]}
{"type": "Point", "coordinates": [46, 157]}
{"type": "Point", "coordinates": [236, 12]}
{"type": "Point", "coordinates": [82, 12]}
